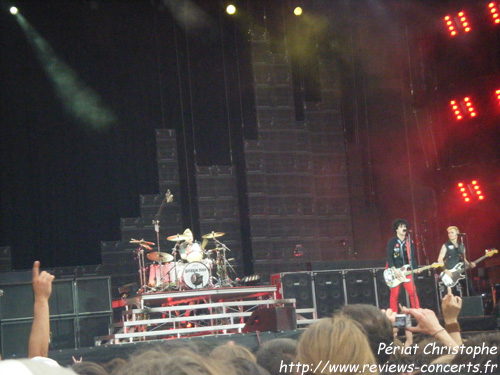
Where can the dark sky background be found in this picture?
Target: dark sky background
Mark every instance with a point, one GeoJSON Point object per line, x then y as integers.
{"type": "Point", "coordinates": [66, 181]}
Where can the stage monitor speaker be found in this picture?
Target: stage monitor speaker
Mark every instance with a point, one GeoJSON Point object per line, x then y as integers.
{"type": "Point", "coordinates": [272, 319]}
{"type": "Point", "coordinates": [360, 287]}
{"type": "Point", "coordinates": [329, 292]}
{"type": "Point", "coordinates": [472, 306]}
{"type": "Point", "coordinates": [93, 295]}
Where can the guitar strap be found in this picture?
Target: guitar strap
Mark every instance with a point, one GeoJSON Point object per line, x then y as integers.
{"type": "Point", "coordinates": [408, 250]}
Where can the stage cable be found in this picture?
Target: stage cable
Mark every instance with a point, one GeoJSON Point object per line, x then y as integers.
{"type": "Point", "coordinates": [158, 62]}
{"type": "Point", "coordinates": [412, 93]}
{"type": "Point", "coordinates": [408, 154]}
{"type": "Point", "coordinates": [186, 159]}
{"type": "Point", "coordinates": [221, 7]}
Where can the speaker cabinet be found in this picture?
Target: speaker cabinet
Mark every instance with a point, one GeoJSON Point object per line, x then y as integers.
{"type": "Point", "coordinates": [360, 287]}
{"type": "Point", "coordinates": [80, 309]}
{"type": "Point", "coordinates": [17, 297]}
{"type": "Point", "coordinates": [15, 336]}
{"type": "Point", "coordinates": [93, 295]}
{"type": "Point", "coordinates": [16, 302]}
{"type": "Point", "coordinates": [91, 326]}
{"type": "Point", "coordinates": [329, 290]}
{"type": "Point", "coordinates": [472, 306]}
{"type": "Point", "coordinates": [296, 285]}
{"type": "Point", "coordinates": [427, 290]}
{"type": "Point", "coordinates": [271, 319]}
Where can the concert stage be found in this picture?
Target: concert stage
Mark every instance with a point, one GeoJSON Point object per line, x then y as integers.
{"type": "Point", "coordinates": [184, 313]}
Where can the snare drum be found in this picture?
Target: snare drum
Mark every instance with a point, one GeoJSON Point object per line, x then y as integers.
{"type": "Point", "coordinates": [194, 253]}
{"type": "Point", "coordinates": [196, 275]}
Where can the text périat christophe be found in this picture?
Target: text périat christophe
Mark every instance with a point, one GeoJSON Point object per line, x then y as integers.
{"type": "Point", "coordinates": [437, 349]}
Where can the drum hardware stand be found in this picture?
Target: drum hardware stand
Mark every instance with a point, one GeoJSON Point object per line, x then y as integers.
{"type": "Point", "coordinates": [224, 279]}
{"type": "Point", "coordinates": [139, 256]}
{"type": "Point", "coordinates": [139, 253]}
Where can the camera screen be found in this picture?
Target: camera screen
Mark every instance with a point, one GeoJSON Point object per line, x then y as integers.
{"type": "Point", "coordinates": [402, 321]}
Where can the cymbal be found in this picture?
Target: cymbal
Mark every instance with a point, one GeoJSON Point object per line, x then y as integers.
{"type": "Point", "coordinates": [177, 237]}
{"type": "Point", "coordinates": [160, 257]}
{"type": "Point", "coordinates": [141, 242]}
{"type": "Point", "coordinates": [213, 235]}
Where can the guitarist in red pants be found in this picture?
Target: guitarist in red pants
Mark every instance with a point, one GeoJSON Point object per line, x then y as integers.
{"type": "Point", "coordinates": [399, 253]}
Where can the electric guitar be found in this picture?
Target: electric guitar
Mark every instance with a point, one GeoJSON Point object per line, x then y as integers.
{"type": "Point", "coordinates": [457, 273]}
{"type": "Point", "coordinates": [392, 280]}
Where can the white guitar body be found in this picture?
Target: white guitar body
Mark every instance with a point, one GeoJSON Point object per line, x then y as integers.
{"type": "Point", "coordinates": [392, 280]}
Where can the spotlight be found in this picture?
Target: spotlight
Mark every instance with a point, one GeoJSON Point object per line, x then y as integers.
{"type": "Point", "coordinates": [231, 9]}
{"type": "Point", "coordinates": [13, 10]}
{"type": "Point", "coordinates": [297, 11]}
{"type": "Point", "coordinates": [250, 280]}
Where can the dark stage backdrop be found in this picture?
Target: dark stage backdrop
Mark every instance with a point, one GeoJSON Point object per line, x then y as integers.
{"type": "Point", "coordinates": [66, 180]}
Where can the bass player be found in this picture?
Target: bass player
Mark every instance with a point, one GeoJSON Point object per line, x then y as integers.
{"type": "Point", "coordinates": [399, 253]}
{"type": "Point", "coordinates": [453, 253]}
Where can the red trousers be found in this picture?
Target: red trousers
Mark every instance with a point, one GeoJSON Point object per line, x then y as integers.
{"type": "Point", "coordinates": [410, 289]}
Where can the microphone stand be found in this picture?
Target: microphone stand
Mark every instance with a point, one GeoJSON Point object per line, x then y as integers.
{"type": "Point", "coordinates": [411, 268]}
{"type": "Point", "coordinates": [156, 222]}
{"type": "Point", "coordinates": [465, 267]}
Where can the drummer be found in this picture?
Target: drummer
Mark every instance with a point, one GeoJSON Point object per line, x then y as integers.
{"type": "Point", "coordinates": [190, 250]}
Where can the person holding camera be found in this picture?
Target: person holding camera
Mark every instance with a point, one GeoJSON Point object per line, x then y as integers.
{"type": "Point", "coordinates": [400, 252]}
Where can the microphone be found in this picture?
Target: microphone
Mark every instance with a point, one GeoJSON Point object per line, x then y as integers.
{"type": "Point", "coordinates": [461, 234]}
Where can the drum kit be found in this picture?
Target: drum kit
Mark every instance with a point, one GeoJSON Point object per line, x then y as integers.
{"type": "Point", "coordinates": [190, 266]}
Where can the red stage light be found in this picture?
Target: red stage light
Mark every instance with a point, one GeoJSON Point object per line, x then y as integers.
{"type": "Point", "coordinates": [457, 23]}
{"type": "Point", "coordinates": [463, 107]}
{"type": "Point", "coordinates": [494, 12]}
{"type": "Point", "coordinates": [471, 187]}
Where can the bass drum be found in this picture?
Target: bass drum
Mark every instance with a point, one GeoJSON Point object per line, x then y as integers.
{"type": "Point", "coordinates": [196, 275]}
